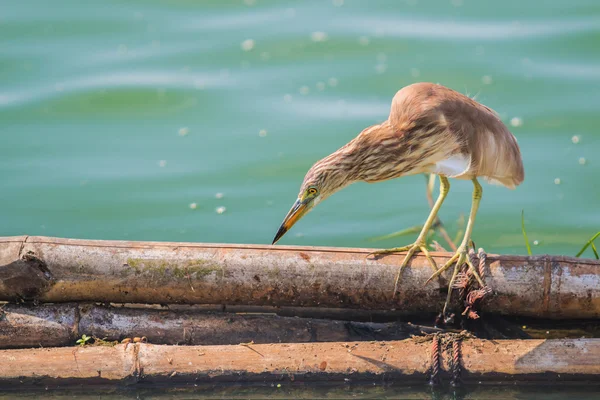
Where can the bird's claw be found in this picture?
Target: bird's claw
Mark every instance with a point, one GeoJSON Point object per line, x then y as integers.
{"type": "Point", "coordinates": [410, 251]}
{"type": "Point", "coordinates": [459, 258]}
{"type": "Point", "coordinates": [390, 251]}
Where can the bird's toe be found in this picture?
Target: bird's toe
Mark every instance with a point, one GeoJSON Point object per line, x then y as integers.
{"type": "Point", "coordinates": [378, 253]}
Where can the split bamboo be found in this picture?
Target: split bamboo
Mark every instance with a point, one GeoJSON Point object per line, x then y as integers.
{"type": "Point", "coordinates": [53, 325]}
{"type": "Point", "coordinates": [402, 361]}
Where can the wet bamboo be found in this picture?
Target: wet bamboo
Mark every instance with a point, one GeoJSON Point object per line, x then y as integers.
{"type": "Point", "coordinates": [408, 361]}
{"type": "Point", "coordinates": [65, 270]}
{"type": "Point", "coordinates": [51, 325]}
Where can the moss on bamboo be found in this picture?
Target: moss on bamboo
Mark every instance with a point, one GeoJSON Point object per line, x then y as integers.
{"type": "Point", "coordinates": [197, 269]}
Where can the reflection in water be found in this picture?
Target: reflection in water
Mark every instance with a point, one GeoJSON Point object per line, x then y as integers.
{"type": "Point", "coordinates": [275, 390]}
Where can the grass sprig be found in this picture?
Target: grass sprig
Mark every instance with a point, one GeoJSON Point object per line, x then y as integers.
{"type": "Point", "coordinates": [525, 232]}
{"type": "Point", "coordinates": [588, 244]}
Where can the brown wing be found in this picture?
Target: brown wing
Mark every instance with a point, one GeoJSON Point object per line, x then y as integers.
{"type": "Point", "coordinates": [492, 148]}
{"type": "Point", "coordinates": [473, 131]}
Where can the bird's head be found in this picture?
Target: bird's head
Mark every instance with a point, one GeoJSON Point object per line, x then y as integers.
{"type": "Point", "coordinates": [324, 178]}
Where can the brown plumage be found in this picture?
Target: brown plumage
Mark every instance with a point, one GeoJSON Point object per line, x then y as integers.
{"type": "Point", "coordinates": [430, 129]}
{"type": "Point", "coordinates": [428, 125]}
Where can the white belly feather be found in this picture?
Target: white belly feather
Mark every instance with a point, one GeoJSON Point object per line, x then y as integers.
{"type": "Point", "coordinates": [453, 167]}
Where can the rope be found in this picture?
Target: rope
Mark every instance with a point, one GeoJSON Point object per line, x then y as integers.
{"type": "Point", "coordinates": [474, 258]}
{"type": "Point", "coordinates": [465, 275]}
{"type": "Point", "coordinates": [482, 260]}
{"type": "Point", "coordinates": [456, 361]}
{"type": "Point", "coordinates": [473, 296]}
{"type": "Point", "coordinates": [448, 344]}
{"type": "Point", "coordinates": [435, 361]}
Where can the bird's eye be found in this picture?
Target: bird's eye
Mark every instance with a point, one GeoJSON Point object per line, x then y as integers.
{"type": "Point", "coordinates": [312, 191]}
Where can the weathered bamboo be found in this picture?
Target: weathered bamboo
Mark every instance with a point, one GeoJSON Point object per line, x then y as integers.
{"type": "Point", "coordinates": [62, 324]}
{"type": "Point", "coordinates": [51, 325]}
{"type": "Point", "coordinates": [64, 270]}
{"type": "Point", "coordinates": [407, 360]}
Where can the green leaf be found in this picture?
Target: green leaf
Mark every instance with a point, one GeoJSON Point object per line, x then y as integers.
{"type": "Point", "coordinates": [84, 339]}
{"type": "Point", "coordinates": [525, 233]}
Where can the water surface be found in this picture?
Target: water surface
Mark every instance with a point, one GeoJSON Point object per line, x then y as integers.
{"type": "Point", "coordinates": [329, 391]}
{"type": "Point", "coordinates": [142, 119]}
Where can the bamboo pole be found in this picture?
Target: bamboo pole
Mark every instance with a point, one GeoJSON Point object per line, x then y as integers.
{"type": "Point", "coordinates": [407, 360]}
{"type": "Point", "coordinates": [65, 270]}
{"type": "Point", "coordinates": [51, 325]}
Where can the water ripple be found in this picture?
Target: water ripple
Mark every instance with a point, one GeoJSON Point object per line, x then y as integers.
{"type": "Point", "coordinates": [567, 70]}
{"type": "Point", "coordinates": [475, 31]}
{"type": "Point", "coordinates": [137, 79]}
{"type": "Point", "coordinates": [335, 109]}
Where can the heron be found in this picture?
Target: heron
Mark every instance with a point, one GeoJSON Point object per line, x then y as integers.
{"type": "Point", "coordinates": [430, 129]}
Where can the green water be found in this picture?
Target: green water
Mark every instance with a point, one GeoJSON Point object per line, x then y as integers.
{"type": "Point", "coordinates": [116, 116]}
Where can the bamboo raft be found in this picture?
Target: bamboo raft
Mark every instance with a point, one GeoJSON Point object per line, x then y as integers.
{"type": "Point", "coordinates": [216, 312]}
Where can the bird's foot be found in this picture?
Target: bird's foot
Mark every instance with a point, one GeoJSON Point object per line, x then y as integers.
{"type": "Point", "coordinates": [392, 250]}
{"type": "Point", "coordinates": [418, 246]}
{"type": "Point", "coordinates": [459, 258]}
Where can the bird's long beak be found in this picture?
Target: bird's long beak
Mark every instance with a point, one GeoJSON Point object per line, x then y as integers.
{"type": "Point", "coordinates": [296, 212]}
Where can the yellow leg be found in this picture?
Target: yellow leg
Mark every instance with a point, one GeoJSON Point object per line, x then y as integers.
{"type": "Point", "coordinates": [461, 256]}
{"type": "Point", "coordinates": [420, 244]}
